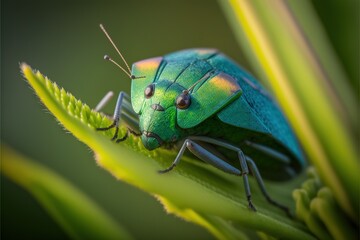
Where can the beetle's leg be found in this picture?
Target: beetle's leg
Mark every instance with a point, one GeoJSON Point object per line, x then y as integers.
{"type": "Point", "coordinates": [128, 132]}
{"type": "Point", "coordinates": [274, 154]}
{"type": "Point", "coordinates": [116, 117]}
{"type": "Point", "coordinates": [204, 155]}
{"type": "Point", "coordinates": [210, 158]}
{"type": "Point", "coordinates": [177, 159]}
{"type": "Point", "coordinates": [245, 172]}
{"type": "Point", "coordinates": [217, 162]}
{"type": "Point", "coordinates": [269, 151]}
{"type": "Point", "coordinates": [244, 167]}
{"type": "Point", "coordinates": [123, 109]}
{"type": "Point", "coordinates": [104, 101]}
{"type": "Point", "coordinates": [260, 182]}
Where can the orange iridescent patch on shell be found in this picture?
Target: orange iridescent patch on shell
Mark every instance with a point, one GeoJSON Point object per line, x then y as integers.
{"type": "Point", "coordinates": [203, 51]}
{"type": "Point", "coordinates": [148, 64]}
{"type": "Point", "coordinates": [214, 94]}
{"type": "Point", "coordinates": [225, 82]}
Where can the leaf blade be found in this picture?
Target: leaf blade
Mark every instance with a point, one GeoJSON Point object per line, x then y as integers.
{"type": "Point", "coordinates": [80, 217]}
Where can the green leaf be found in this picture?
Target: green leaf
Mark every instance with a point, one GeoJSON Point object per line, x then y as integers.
{"type": "Point", "coordinates": [211, 194]}
{"type": "Point", "coordinates": [217, 226]}
{"type": "Point", "coordinates": [280, 38]}
{"type": "Point", "coordinates": [76, 213]}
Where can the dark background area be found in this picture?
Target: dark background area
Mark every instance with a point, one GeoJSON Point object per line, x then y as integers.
{"type": "Point", "coordinates": [63, 40]}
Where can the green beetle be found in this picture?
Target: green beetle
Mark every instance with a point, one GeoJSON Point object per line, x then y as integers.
{"type": "Point", "coordinates": [205, 102]}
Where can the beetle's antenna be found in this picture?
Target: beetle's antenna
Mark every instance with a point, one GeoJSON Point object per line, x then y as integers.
{"type": "Point", "coordinates": [108, 36]}
{"type": "Point", "coordinates": [106, 57]}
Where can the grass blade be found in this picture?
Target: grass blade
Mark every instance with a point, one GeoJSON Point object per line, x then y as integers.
{"type": "Point", "coordinates": [76, 214]}
{"type": "Point", "coordinates": [278, 48]}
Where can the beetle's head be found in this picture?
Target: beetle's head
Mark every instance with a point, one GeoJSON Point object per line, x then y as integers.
{"type": "Point", "coordinates": [158, 114]}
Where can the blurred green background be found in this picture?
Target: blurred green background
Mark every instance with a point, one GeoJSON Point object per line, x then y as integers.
{"type": "Point", "coordinates": [63, 40]}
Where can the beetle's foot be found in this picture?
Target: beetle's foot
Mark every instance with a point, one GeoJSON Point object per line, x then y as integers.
{"type": "Point", "coordinates": [167, 169]}
{"type": "Point", "coordinates": [251, 205]}
{"type": "Point", "coordinates": [282, 207]}
{"type": "Point", "coordinates": [113, 125]}
{"type": "Point", "coordinates": [107, 128]}
{"type": "Point", "coordinates": [128, 132]}
{"type": "Point", "coordinates": [123, 138]}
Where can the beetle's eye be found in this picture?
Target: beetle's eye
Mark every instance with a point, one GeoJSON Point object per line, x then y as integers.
{"type": "Point", "coordinates": [149, 90]}
{"type": "Point", "coordinates": [183, 100]}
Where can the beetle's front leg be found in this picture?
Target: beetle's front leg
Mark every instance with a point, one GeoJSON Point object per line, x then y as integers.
{"type": "Point", "coordinates": [122, 109]}
{"type": "Point", "coordinates": [217, 162]}
{"type": "Point", "coordinates": [178, 157]}
{"type": "Point", "coordinates": [208, 157]}
{"type": "Point", "coordinates": [204, 155]}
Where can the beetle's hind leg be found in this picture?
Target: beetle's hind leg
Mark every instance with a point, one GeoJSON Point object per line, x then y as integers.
{"type": "Point", "coordinates": [209, 157]}
{"type": "Point", "coordinates": [124, 111]}
{"type": "Point", "coordinates": [245, 173]}
{"type": "Point", "coordinates": [246, 163]}
{"type": "Point", "coordinates": [260, 182]}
